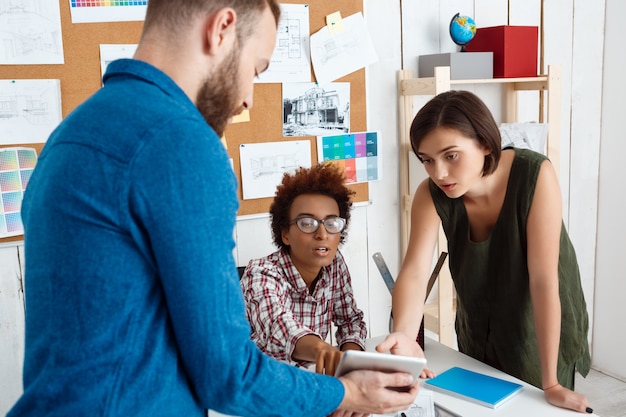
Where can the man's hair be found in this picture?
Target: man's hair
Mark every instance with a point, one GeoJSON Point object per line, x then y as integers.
{"type": "Point", "coordinates": [464, 112]}
{"type": "Point", "coordinates": [323, 179]}
{"type": "Point", "coordinates": [175, 14]}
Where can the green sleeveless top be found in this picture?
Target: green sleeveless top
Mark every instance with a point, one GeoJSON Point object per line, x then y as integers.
{"type": "Point", "coordinates": [494, 318]}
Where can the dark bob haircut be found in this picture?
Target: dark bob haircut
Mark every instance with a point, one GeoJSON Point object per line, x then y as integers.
{"type": "Point", "coordinates": [464, 112]}
{"type": "Point", "coordinates": [324, 179]}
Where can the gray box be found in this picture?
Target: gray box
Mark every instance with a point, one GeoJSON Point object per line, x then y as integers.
{"type": "Point", "coordinates": [463, 65]}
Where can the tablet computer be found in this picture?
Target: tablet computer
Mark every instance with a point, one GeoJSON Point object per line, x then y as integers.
{"type": "Point", "coordinates": [352, 360]}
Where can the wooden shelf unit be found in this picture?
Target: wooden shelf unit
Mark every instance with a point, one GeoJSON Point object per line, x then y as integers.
{"type": "Point", "coordinates": [439, 318]}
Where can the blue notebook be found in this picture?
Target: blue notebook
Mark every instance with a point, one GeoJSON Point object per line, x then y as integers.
{"type": "Point", "coordinates": [480, 388]}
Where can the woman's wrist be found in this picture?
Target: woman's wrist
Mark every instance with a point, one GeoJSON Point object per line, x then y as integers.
{"type": "Point", "coordinates": [551, 386]}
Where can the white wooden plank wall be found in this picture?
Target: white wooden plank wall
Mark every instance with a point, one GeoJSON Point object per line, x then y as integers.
{"type": "Point", "coordinates": [586, 117]}
{"type": "Point", "coordinates": [558, 49]}
{"type": "Point", "coordinates": [609, 337]}
{"type": "Point", "coordinates": [383, 222]}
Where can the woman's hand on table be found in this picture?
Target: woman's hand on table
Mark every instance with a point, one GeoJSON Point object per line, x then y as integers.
{"type": "Point", "coordinates": [399, 343]}
{"type": "Point", "coordinates": [563, 397]}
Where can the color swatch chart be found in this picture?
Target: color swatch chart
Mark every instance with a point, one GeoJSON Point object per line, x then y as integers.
{"type": "Point", "coordinates": [89, 11]}
{"type": "Point", "coordinates": [16, 167]}
{"type": "Point", "coordinates": [107, 3]}
{"type": "Point", "coordinates": [358, 153]}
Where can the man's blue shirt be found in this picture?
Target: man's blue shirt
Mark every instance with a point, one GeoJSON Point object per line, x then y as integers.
{"type": "Point", "coordinates": [133, 305]}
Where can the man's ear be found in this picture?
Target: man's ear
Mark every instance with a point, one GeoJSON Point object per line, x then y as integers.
{"type": "Point", "coordinates": [220, 31]}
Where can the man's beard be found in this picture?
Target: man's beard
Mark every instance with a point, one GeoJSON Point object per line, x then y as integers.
{"type": "Point", "coordinates": [218, 97]}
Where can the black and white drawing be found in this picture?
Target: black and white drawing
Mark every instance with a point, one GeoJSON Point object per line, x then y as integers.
{"type": "Point", "coordinates": [310, 109]}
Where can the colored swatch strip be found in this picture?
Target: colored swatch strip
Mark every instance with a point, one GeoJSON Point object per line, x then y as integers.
{"type": "Point", "coordinates": [107, 3]}
{"type": "Point", "coordinates": [16, 167]}
{"type": "Point", "coordinates": [356, 152]}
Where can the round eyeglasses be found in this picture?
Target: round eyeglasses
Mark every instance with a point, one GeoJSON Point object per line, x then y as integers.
{"type": "Point", "coordinates": [308, 224]}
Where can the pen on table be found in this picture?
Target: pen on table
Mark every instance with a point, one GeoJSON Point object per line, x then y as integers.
{"type": "Point", "coordinates": [402, 415]}
{"type": "Point", "coordinates": [589, 410]}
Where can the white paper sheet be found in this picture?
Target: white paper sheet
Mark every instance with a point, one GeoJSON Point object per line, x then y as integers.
{"type": "Point", "coordinates": [263, 165]}
{"type": "Point", "coordinates": [111, 52]}
{"type": "Point", "coordinates": [29, 110]}
{"type": "Point", "coordinates": [291, 60]}
{"type": "Point", "coordinates": [30, 32]}
{"type": "Point", "coordinates": [531, 136]}
{"type": "Point", "coordinates": [83, 11]}
{"type": "Point", "coordinates": [423, 406]}
{"type": "Point", "coordinates": [349, 50]}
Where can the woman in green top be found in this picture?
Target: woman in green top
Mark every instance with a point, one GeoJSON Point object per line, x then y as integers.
{"type": "Point", "coordinates": [520, 305]}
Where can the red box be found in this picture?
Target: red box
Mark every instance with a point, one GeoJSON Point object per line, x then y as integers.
{"type": "Point", "coordinates": [514, 49]}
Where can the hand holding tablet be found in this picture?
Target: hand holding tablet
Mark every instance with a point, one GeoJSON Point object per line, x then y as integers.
{"type": "Point", "coordinates": [383, 362]}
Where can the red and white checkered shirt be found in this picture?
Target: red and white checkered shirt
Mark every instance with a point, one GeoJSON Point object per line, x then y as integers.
{"type": "Point", "coordinates": [281, 310]}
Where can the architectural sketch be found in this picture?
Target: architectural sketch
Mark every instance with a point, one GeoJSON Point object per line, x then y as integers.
{"type": "Point", "coordinates": [291, 58]}
{"type": "Point", "coordinates": [275, 164]}
{"type": "Point", "coordinates": [336, 55]}
{"type": "Point", "coordinates": [317, 110]}
{"type": "Point", "coordinates": [29, 110]}
{"type": "Point", "coordinates": [30, 32]}
{"type": "Point", "coordinates": [263, 165]}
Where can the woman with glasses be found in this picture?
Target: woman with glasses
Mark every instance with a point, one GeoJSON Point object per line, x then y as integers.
{"type": "Point", "coordinates": [294, 294]}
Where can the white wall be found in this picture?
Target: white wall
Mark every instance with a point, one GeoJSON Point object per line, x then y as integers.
{"type": "Point", "coordinates": [609, 337]}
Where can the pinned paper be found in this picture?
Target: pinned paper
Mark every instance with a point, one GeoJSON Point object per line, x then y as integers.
{"type": "Point", "coordinates": [291, 59]}
{"type": "Point", "coordinates": [16, 167]}
{"type": "Point", "coordinates": [31, 110]}
{"type": "Point", "coordinates": [359, 154]}
{"type": "Point", "coordinates": [263, 165]}
{"type": "Point", "coordinates": [334, 23]}
{"type": "Point", "coordinates": [334, 56]}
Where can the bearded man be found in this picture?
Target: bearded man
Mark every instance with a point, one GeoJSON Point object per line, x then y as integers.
{"type": "Point", "coordinates": [133, 305]}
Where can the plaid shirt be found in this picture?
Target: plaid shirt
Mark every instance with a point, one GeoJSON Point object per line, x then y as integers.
{"type": "Point", "coordinates": [281, 310]}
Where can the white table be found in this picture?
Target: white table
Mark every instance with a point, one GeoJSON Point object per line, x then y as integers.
{"type": "Point", "coordinates": [530, 402]}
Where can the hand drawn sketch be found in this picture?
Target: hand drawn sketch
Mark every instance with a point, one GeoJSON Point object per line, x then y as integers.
{"type": "Point", "coordinates": [336, 55]}
{"type": "Point", "coordinates": [263, 165]}
{"type": "Point", "coordinates": [30, 32]}
{"type": "Point", "coordinates": [290, 60]}
{"type": "Point", "coordinates": [310, 109]}
{"type": "Point", "coordinates": [29, 110]}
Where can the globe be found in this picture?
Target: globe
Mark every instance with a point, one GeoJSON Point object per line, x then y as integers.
{"type": "Point", "coordinates": [462, 30]}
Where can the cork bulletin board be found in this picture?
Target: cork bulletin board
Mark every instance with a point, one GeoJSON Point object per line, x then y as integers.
{"type": "Point", "coordinates": [80, 74]}
{"type": "Point", "coordinates": [265, 123]}
{"type": "Point", "coordinates": [80, 77]}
